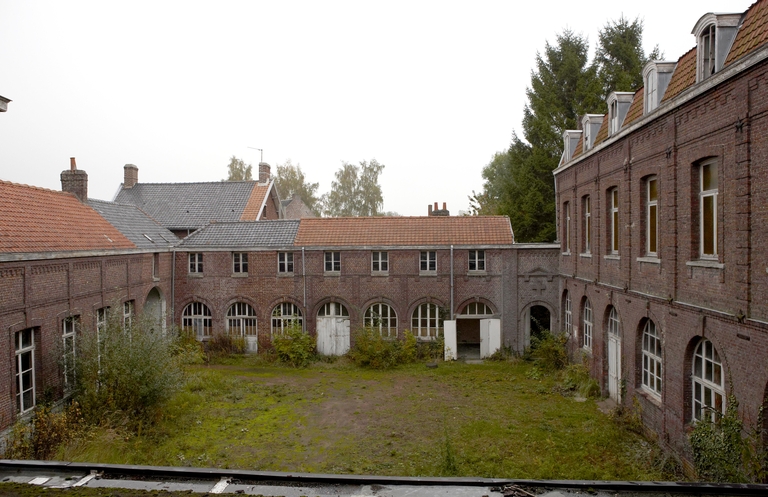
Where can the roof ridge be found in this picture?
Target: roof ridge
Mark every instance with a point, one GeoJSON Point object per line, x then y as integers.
{"type": "Point", "coordinates": [40, 188]}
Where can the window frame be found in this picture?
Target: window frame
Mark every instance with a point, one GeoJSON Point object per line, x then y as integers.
{"type": "Point", "coordinates": [426, 321]}
{"type": "Point", "coordinates": [586, 205]}
{"type": "Point", "coordinates": [613, 115]}
{"type": "Point", "coordinates": [567, 227]}
{"type": "Point", "coordinates": [613, 211]}
{"type": "Point", "coordinates": [652, 367]}
{"type": "Point", "coordinates": [428, 261]}
{"type": "Point", "coordinates": [706, 53]}
{"type": "Point", "coordinates": [240, 262]}
{"type": "Point", "coordinates": [651, 90]}
{"type": "Point", "coordinates": [375, 319]}
{"type": "Point", "coordinates": [652, 217]}
{"type": "Point", "coordinates": [70, 328]}
{"type": "Point", "coordinates": [25, 349]}
{"type": "Point", "coordinates": [129, 310]}
{"type": "Point", "coordinates": [588, 324]}
{"type": "Point", "coordinates": [195, 263]}
{"type": "Point", "coordinates": [285, 262]}
{"type": "Point", "coordinates": [568, 313]}
{"type": "Point", "coordinates": [702, 386]}
{"type": "Point", "coordinates": [241, 320]}
{"type": "Point", "coordinates": [279, 319]}
{"type": "Point", "coordinates": [708, 224]}
{"type": "Point", "coordinates": [476, 261]}
{"type": "Point", "coordinates": [198, 318]}
{"type": "Point", "coordinates": [379, 261]}
{"type": "Point", "coordinates": [332, 260]}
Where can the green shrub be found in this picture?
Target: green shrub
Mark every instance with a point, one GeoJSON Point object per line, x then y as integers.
{"type": "Point", "coordinates": [371, 350]}
{"type": "Point", "coordinates": [548, 351]}
{"type": "Point", "coordinates": [718, 447]}
{"type": "Point", "coordinates": [222, 344]}
{"type": "Point", "coordinates": [576, 378]}
{"type": "Point", "coordinates": [293, 346]}
{"type": "Point", "coordinates": [431, 350]}
{"type": "Point", "coordinates": [40, 436]}
{"type": "Point", "coordinates": [409, 349]}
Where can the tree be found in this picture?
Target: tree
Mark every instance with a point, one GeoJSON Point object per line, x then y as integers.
{"type": "Point", "coordinates": [238, 170]}
{"type": "Point", "coordinates": [355, 191]}
{"type": "Point", "coordinates": [290, 181]}
{"type": "Point", "coordinates": [619, 58]}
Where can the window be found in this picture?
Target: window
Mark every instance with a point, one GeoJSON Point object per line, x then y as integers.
{"type": "Point", "coordinates": [128, 314]}
{"type": "Point", "coordinates": [708, 390]}
{"type": "Point", "coordinates": [239, 262]}
{"type": "Point", "coordinates": [428, 261]}
{"type": "Point", "coordinates": [567, 227]}
{"type": "Point", "coordinates": [708, 210]}
{"type": "Point", "coordinates": [650, 91]}
{"type": "Point", "coordinates": [614, 323]}
{"type": "Point", "coordinates": [613, 196]}
{"type": "Point", "coordinates": [426, 321]}
{"type": "Point", "coordinates": [651, 359]}
{"type": "Point", "coordinates": [568, 313]}
{"type": "Point", "coordinates": [25, 370]}
{"type": "Point", "coordinates": [381, 317]}
{"type": "Point", "coordinates": [241, 320]}
{"type": "Point", "coordinates": [379, 262]}
{"type": "Point", "coordinates": [70, 326]}
{"type": "Point", "coordinates": [285, 315]}
{"type": "Point", "coordinates": [476, 309]}
{"type": "Point", "coordinates": [102, 320]}
{"type": "Point", "coordinates": [333, 309]}
{"type": "Point", "coordinates": [652, 217]}
{"type": "Point", "coordinates": [285, 262]}
{"type": "Point", "coordinates": [587, 224]}
{"type": "Point", "coordinates": [196, 317]}
{"type": "Point", "coordinates": [613, 111]}
{"type": "Point", "coordinates": [195, 263]}
{"type": "Point", "coordinates": [477, 260]}
{"type": "Point", "coordinates": [156, 265]}
{"type": "Point", "coordinates": [332, 262]}
{"type": "Point", "coordinates": [588, 324]}
{"type": "Point", "coordinates": [707, 52]}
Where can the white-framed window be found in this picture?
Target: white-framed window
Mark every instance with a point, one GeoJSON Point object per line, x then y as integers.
{"type": "Point", "coordinates": [285, 262]}
{"type": "Point", "coordinates": [381, 317]}
{"type": "Point", "coordinates": [70, 327]}
{"type": "Point", "coordinates": [476, 309]}
{"type": "Point", "coordinates": [588, 322]}
{"type": "Point", "coordinates": [614, 325]}
{"type": "Point", "coordinates": [379, 262]}
{"type": "Point", "coordinates": [332, 262]}
{"type": "Point", "coordinates": [652, 216]}
{"type": "Point", "coordinates": [197, 317]}
{"type": "Point", "coordinates": [651, 372]}
{"type": "Point", "coordinates": [613, 113]}
{"type": "Point", "coordinates": [567, 313]}
{"type": "Point", "coordinates": [586, 203]}
{"type": "Point", "coordinates": [428, 260]}
{"type": "Point", "coordinates": [25, 370]}
{"type": "Point", "coordinates": [241, 320]}
{"type": "Point", "coordinates": [239, 262]}
{"type": "Point", "coordinates": [102, 321]}
{"type": "Point", "coordinates": [613, 195]}
{"type": "Point", "coordinates": [707, 52]}
{"type": "Point", "coordinates": [128, 313]}
{"type": "Point", "coordinates": [567, 227]}
{"type": "Point", "coordinates": [708, 386]}
{"type": "Point", "coordinates": [333, 309]}
{"type": "Point", "coordinates": [284, 315]}
{"type": "Point", "coordinates": [708, 210]}
{"type": "Point", "coordinates": [477, 260]}
{"type": "Point", "coordinates": [195, 262]}
{"type": "Point", "coordinates": [426, 322]}
{"type": "Point", "coordinates": [651, 87]}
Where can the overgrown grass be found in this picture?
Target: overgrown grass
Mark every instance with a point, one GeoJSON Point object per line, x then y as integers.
{"type": "Point", "coordinates": [486, 420]}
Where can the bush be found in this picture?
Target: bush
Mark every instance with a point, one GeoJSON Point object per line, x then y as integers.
{"type": "Point", "coordinates": [222, 344]}
{"type": "Point", "coordinates": [371, 350]}
{"type": "Point", "coordinates": [409, 350]}
{"type": "Point", "coordinates": [576, 378]}
{"type": "Point", "coordinates": [293, 346]}
{"type": "Point", "coordinates": [432, 350]}
{"type": "Point", "coordinates": [126, 374]}
{"type": "Point", "coordinates": [40, 436]}
{"type": "Point", "coordinates": [548, 351]}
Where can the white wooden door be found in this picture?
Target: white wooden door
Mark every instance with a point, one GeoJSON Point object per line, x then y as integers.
{"type": "Point", "coordinates": [614, 367]}
{"type": "Point", "coordinates": [252, 343]}
{"type": "Point", "coordinates": [332, 335]}
{"type": "Point", "coordinates": [490, 337]}
{"type": "Point", "coordinates": [449, 333]}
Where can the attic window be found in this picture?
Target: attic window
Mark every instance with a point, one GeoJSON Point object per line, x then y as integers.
{"type": "Point", "coordinates": [651, 97]}
{"type": "Point", "coordinates": [613, 116]}
{"type": "Point", "coordinates": [707, 52]}
{"type": "Point", "coordinates": [587, 137]}
{"type": "Point", "coordinates": [148, 238]}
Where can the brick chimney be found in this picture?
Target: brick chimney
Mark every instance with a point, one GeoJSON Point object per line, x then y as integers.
{"type": "Point", "coordinates": [75, 181]}
{"type": "Point", "coordinates": [130, 175]}
{"type": "Point", "coordinates": [438, 212]}
{"type": "Point", "coordinates": [264, 172]}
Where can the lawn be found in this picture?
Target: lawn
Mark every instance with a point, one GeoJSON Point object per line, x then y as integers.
{"type": "Point", "coordinates": [488, 420]}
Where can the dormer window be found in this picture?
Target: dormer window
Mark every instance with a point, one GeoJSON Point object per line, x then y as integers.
{"type": "Point", "coordinates": [613, 112]}
{"type": "Point", "coordinates": [650, 91]}
{"type": "Point", "coordinates": [591, 123]}
{"type": "Point", "coordinates": [656, 75]}
{"type": "Point", "coordinates": [714, 36]}
{"type": "Point", "coordinates": [618, 105]}
{"type": "Point", "coordinates": [570, 143]}
{"type": "Point", "coordinates": [707, 52]}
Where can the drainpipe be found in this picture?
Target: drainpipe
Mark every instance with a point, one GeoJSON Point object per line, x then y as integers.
{"type": "Point", "coordinates": [451, 314]}
{"type": "Point", "coordinates": [304, 280]}
{"type": "Point", "coordinates": [173, 286]}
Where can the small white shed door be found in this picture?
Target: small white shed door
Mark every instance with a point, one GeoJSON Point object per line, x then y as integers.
{"type": "Point", "coordinates": [614, 367]}
{"type": "Point", "coordinates": [332, 335]}
{"type": "Point", "coordinates": [490, 337]}
{"type": "Point", "coordinates": [449, 333]}
{"type": "Point", "coordinates": [252, 343]}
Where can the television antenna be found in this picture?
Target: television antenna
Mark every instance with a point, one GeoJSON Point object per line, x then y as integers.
{"type": "Point", "coordinates": [261, 159]}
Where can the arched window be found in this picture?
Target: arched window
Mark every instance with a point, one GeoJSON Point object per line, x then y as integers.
{"type": "Point", "coordinates": [708, 388]}
{"type": "Point", "coordinates": [197, 317]}
{"type": "Point", "coordinates": [567, 313]}
{"type": "Point", "coordinates": [333, 309]}
{"type": "Point", "coordinates": [476, 309]}
{"type": "Point", "coordinates": [284, 315]}
{"type": "Point", "coordinates": [383, 318]}
{"type": "Point", "coordinates": [241, 320]}
{"type": "Point", "coordinates": [651, 359]}
{"type": "Point", "coordinates": [588, 323]}
{"type": "Point", "coordinates": [613, 322]}
{"type": "Point", "coordinates": [426, 321]}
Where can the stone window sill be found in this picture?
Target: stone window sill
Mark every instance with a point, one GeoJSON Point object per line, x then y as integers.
{"type": "Point", "coordinates": [379, 273]}
{"type": "Point", "coordinates": [649, 260]}
{"type": "Point", "coordinates": [427, 273]}
{"type": "Point", "coordinates": [332, 273]}
{"type": "Point", "coordinates": [586, 255]}
{"type": "Point", "coordinates": [612, 257]}
{"type": "Point", "coordinates": [239, 275]}
{"type": "Point", "coordinates": [705, 263]}
{"type": "Point", "coordinates": [195, 275]}
{"type": "Point", "coordinates": [285, 275]}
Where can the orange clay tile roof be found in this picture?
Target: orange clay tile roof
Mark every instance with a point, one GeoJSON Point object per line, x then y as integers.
{"type": "Point", "coordinates": [752, 33]}
{"type": "Point", "coordinates": [253, 207]}
{"type": "Point", "coordinates": [635, 111]}
{"type": "Point", "coordinates": [405, 231]}
{"type": "Point", "coordinates": [38, 220]}
{"type": "Point", "coordinates": [683, 77]}
{"type": "Point", "coordinates": [602, 133]}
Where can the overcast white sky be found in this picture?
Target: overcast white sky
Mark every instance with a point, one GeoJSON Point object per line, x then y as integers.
{"type": "Point", "coordinates": [431, 89]}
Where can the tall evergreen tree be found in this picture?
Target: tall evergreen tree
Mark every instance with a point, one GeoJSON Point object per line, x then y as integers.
{"type": "Point", "coordinates": [619, 57]}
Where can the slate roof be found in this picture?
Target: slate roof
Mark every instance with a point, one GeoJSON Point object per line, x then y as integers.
{"type": "Point", "coordinates": [136, 225]}
{"type": "Point", "coordinates": [245, 234]}
{"type": "Point", "coordinates": [35, 219]}
{"type": "Point", "coordinates": [194, 205]}
{"type": "Point", "coordinates": [752, 33]}
{"type": "Point", "coordinates": [405, 231]}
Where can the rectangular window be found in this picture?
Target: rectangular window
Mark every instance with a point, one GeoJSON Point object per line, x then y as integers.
{"type": "Point", "coordinates": [25, 370]}
{"type": "Point", "coordinates": [428, 261]}
{"type": "Point", "coordinates": [567, 228]}
{"type": "Point", "coordinates": [156, 265]}
{"type": "Point", "coordinates": [614, 213]}
{"type": "Point", "coordinates": [239, 262]}
{"type": "Point", "coordinates": [332, 262]}
{"type": "Point", "coordinates": [477, 260]}
{"type": "Point", "coordinates": [285, 262]}
{"type": "Point", "coordinates": [102, 320]}
{"type": "Point", "coordinates": [70, 327]}
{"type": "Point", "coordinates": [195, 263]}
{"type": "Point", "coordinates": [652, 217]}
{"type": "Point", "coordinates": [613, 111]}
{"type": "Point", "coordinates": [707, 52]}
{"type": "Point", "coordinates": [379, 262]}
{"type": "Point", "coordinates": [128, 314]}
{"type": "Point", "coordinates": [708, 211]}
{"type": "Point", "coordinates": [650, 91]}
{"type": "Point", "coordinates": [588, 325]}
{"type": "Point", "coordinates": [587, 206]}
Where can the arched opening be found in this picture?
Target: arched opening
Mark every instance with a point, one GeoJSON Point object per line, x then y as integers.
{"type": "Point", "coordinates": [333, 329]}
{"type": "Point", "coordinates": [154, 310]}
{"type": "Point", "coordinates": [539, 321]}
{"type": "Point", "coordinates": [468, 329]}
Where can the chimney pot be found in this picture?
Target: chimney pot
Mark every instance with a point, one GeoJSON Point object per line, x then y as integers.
{"type": "Point", "coordinates": [445, 206]}
{"type": "Point", "coordinates": [72, 165]}
{"type": "Point", "coordinates": [429, 210]}
{"type": "Point", "coordinates": [264, 172]}
{"type": "Point", "coordinates": [435, 205]}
